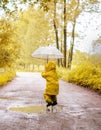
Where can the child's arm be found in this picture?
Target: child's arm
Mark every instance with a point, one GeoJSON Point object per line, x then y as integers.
{"type": "Point", "coordinates": [44, 74]}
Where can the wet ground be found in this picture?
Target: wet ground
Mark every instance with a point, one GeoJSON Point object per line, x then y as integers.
{"type": "Point", "coordinates": [22, 106]}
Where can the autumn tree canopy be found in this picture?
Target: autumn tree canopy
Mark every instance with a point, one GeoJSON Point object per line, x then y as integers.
{"type": "Point", "coordinates": [9, 48]}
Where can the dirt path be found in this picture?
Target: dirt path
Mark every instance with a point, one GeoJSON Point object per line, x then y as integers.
{"type": "Point", "coordinates": [80, 108]}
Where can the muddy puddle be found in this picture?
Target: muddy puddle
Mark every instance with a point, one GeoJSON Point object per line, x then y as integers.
{"type": "Point", "coordinates": [29, 109]}
{"type": "Point", "coordinates": [35, 109]}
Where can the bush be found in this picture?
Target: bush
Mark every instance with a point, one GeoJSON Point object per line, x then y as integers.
{"type": "Point", "coordinates": [6, 77]}
{"type": "Point", "coordinates": [85, 74]}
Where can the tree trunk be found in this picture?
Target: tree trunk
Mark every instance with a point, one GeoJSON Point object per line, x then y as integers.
{"type": "Point", "coordinates": [71, 46]}
{"type": "Point", "coordinates": [65, 32]}
{"type": "Point", "coordinates": [70, 57]}
{"type": "Point", "coordinates": [61, 61]}
{"type": "Point", "coordinates": [55, 28]}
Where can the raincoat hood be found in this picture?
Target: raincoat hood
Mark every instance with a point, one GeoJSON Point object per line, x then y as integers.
{"type": "Point", "coordinates": [50, 66]}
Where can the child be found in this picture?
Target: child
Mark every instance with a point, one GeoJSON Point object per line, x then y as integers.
{"type": "Point", "coordinates": [52, 85]}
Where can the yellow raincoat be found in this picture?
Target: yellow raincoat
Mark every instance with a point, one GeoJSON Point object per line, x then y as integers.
{"type": "Point", "coordinates": [52, 85]}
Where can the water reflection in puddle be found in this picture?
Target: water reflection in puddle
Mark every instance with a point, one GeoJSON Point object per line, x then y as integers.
{"type": "Point", "coordinates": [29, 109]}
{"type": "Point", "coordinates": [34, 109]}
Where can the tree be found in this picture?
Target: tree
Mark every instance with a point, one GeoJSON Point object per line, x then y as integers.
{"type": "Point", "coordinates": [65, 34]}
{"type": "Point", "coordinates": [76, 11]}
{"type": "Point", "coordinates": [69, 12]}
{"type": "Point", "coordinates": [33, 31]}
{"type": "Point", "coordinates": [9, 48]}
{"type": "Point", "coordinates": [77, 8]}
{"type": "Point", "coordinates": [51, 8]}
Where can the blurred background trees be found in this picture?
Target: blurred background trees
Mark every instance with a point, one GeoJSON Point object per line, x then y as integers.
{"type": "Point", "coordinates": [9, 48]}
{"type": "Point", "coordinates": [43, 22]}
{"type": "Point", "coordinates": [27, 24]}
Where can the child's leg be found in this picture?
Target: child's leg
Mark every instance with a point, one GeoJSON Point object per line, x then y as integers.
{"type": "Point", "coordinates": [54, 99]}
{"type": "Point", "coordinates": [47, 98]}
{"type": "Point", "coordinates": [50, 99]}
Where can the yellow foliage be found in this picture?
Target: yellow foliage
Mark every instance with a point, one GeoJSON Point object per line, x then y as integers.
{"type": "Point", "coordinates": [9, 47]}
{"type": "Point", "coordinates": [6, 77]}
{"type": "Point", "coordinates": [85, 74]}
{"type": "Point", "coordinates": [33, 30]}
{"type": "Point", "coordinates": [63, 73]}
